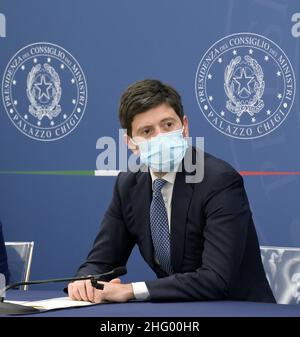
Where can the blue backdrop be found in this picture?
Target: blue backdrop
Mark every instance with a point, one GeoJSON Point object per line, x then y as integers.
{"type": "Point", "coordinates": [117, 43]}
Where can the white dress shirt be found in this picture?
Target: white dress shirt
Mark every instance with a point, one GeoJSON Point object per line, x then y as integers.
{"type": "Point", "coordinates": [140, 289]}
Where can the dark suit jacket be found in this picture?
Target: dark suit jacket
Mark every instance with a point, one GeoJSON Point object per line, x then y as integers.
{"type": "Point", "coordinates": [214, 247]}
{"type": "Point", "coordinates": [3, 257]}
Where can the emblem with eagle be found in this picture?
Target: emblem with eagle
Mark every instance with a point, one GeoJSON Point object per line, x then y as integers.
{"type": "Point", "coordinates": [244, 86]}
{"type": "Point", "coordinates": [43, 91]}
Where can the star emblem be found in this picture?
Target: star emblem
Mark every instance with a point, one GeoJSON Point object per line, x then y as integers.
{"type": "Point", "coordinates": [243, 81]}
{"type": "Point", "coordinates": [43, 88]}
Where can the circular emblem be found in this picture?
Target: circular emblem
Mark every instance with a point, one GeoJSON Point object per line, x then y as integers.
{"type": "Point", "coordinates": [44, 91]}
{"type": "Point", "coordinates": [245, 85]}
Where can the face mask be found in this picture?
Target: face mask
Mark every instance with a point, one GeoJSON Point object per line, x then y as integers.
{"type": "Point", "coordinates": [164, 152]}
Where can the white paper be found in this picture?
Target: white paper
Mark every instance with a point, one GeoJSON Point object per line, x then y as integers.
{"type": "Point", "coordinates": [53, 303]}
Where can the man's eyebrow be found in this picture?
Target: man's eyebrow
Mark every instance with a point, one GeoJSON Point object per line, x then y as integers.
{"type": "Point", "coordinates": [168, 119]}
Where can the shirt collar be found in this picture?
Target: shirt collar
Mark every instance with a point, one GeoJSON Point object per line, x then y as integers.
{"type": "Point", "coordinates": [169, 176]}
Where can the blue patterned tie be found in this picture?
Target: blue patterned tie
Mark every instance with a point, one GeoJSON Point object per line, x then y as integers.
{"type": "Point", "coordinates": [159, 227]}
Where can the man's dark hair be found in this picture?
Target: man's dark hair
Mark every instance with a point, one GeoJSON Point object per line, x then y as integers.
{"type": "Point", "coordinates": [145, 95]}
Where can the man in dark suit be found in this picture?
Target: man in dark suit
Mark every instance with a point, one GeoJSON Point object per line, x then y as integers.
{"type": "Point", "coordinates": [3, 257]}
{"type": "Point", "coordinates": [197, 236]}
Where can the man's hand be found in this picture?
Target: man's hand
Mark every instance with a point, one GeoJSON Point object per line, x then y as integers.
{"type": "Point", "coordinates": [113, 291]}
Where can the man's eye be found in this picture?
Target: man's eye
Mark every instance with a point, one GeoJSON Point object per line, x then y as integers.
{"type": "Point", "coordinates": [169, 124]}
{"type": "Point", "coordinates": [145, 132]}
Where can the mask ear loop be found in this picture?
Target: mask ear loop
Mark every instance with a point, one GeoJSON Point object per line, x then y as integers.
{"type": "Point", "coordinates": [133, 142]}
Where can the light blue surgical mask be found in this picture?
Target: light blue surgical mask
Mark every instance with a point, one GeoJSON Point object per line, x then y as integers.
{"type": "Point", "coordinates": [164, 152]}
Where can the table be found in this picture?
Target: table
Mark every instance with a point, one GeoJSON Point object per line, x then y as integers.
{"type": "Point", "coordinates": [149, 309]}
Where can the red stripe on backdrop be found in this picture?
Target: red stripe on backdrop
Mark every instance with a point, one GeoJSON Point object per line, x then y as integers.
{"type": "Point", "coordinates": [259, 173]}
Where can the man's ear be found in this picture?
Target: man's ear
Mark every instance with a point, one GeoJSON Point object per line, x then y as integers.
{"type": "Point", "coordinates": [185, 122]}
{"type": "Point", "coordinates": [134, 148]}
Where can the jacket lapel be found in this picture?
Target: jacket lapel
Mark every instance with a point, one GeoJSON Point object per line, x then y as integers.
{"type": "Point", "coordinates": [140, 200]}
{"type": "Point", "coordinates": [182, 194]}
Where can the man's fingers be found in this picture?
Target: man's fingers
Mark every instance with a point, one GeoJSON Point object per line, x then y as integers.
{"type": "Point", "coordinates": [70, 291]}
{"type": "Point", "coordinates": [82, 291]}
{"type": "Point", "coordinates": [76, 294]}
{"type": "Point", "coordinates": [90, 290]}
{"type": "Point", "coordinates": [73, 292]}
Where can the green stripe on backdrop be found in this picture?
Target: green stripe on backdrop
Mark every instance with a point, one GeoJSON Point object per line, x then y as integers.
{"type": "Point", "coordinates": [99, 173]}
{"type": "Point", "coordinates": [54, 172]}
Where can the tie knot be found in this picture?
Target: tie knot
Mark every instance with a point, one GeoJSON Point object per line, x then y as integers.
{"type": "Point", "coordinates": [158, 184]}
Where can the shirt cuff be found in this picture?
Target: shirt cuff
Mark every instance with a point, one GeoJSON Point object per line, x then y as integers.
{"type": "Point", "coordinates": [140, 291]}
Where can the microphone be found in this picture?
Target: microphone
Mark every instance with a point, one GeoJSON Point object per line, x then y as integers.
{"type": "Point", "coordinates": [106, 277]}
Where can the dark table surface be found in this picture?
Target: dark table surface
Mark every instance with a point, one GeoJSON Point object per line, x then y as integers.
{"type": "Point", "coordinates": [149, 309]}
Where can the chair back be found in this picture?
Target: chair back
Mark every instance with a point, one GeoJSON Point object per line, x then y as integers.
{"type": "Point", "coordinates": [19, 257]}
{"type": "Point", "coordinates": [282, 267]}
